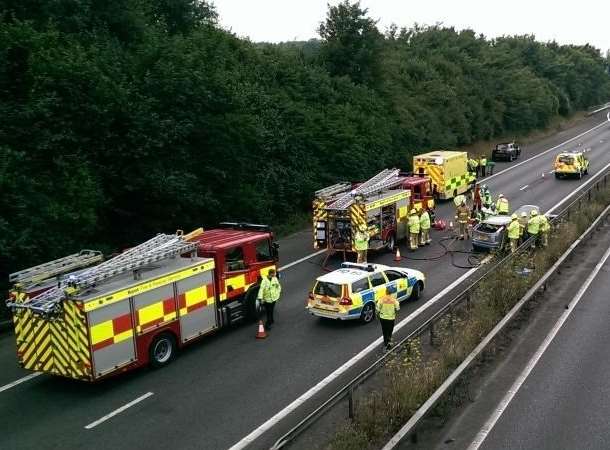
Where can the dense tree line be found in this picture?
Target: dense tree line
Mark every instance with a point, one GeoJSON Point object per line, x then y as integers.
{"type": "Point", "coordinates": [126, 118]}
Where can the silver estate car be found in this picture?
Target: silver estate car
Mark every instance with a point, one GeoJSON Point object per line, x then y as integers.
{"type": "Point", "coordinates": [490, 234]}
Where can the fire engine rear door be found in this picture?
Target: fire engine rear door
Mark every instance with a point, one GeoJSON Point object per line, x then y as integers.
{"type": "Point", "coordinates": [197, 305]}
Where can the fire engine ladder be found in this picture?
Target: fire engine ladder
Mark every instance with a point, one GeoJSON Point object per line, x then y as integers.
{"type": "Point", "coordinates": [160, 247]}
{"type": "Point", "coordinates": [70, 263]}
{"type": "Point", "coordinates": [385, 179]}
{"type": "Point", "coordinates": [333, 190]}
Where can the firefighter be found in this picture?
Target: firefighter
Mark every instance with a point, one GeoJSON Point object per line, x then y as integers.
{"type": "Point", "coordinates": [483, 165]}
{"type": "Point", "coordinates": [269, 293]}
{"type": "Point", "coordinates": [545, 227]}
{"type": "Point", "coordinates": [461, 216]}
{"type": "Point", "coordinates": [487, 202]}
{"type": "Point", "coordinates": [361, 241]}
{"type": "Point", "coordinates": [387, 306]}
{"type": "Point", "coordinates": [476, 198]}
{"type": "Point", "coordinates": [413, 229]}
{"type": "Point", "coordinates": [502, 206]}
{"type": "Point", "coordinates": [514, 230]}
{"type": "Point", "coordinates": [533, 226]}
{"type": "Point", "coordinates": [522, 226]}
{"type": "Point", "coordinates": [472, 165]}
{"type": "Point", "coordinates": [424, 225]}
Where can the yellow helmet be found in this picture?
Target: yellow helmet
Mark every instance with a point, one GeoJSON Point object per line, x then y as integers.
{"type": "Point", "coordinates": [523, 214]}
{"type": "Point", "coordinates": [514, 216]}
{"type": "Point", "coordinates": [533, 212]}
{"type": "Point", "coordinates": [413, 211]}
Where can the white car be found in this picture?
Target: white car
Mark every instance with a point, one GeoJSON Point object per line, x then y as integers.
{"type": "Point", "coordinates": [350, 292]}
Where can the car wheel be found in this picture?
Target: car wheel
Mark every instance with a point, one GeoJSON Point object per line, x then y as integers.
{"type": "Point", "coordinates": [162, 350]}
{"type": "Point", "coordinates": [391, 243]}
{"type": "Point", "coordinates": [556, 175]}
{"type": "Point", "coordinates": [416, 292]}
{"type": "Point", "coordinates": [368, 313]}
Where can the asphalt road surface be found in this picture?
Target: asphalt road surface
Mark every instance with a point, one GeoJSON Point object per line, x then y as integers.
{"type": "Point", "coordinates": [220, 390]}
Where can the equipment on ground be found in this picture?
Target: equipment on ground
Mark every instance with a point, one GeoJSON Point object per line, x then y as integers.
{"type": "Point", "coordinates": [143, 304]}
{"type": "Point", "coordinates": [448, 171]}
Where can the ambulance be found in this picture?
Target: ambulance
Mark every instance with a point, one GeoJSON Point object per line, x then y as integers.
{"type": "Point", "coordinates": [448, 171]}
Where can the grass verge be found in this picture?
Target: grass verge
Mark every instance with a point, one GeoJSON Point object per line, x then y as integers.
{"type": "Point", "coordinates": [415, 373]}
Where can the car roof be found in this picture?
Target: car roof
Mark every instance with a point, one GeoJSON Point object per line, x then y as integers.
{"type": "Point", "coordinates": [526, 209]}
{"type": "Point", "coordinates": [354, 272]}
{"type": "Point", "coordinates": [570, 153]}
{"type": "Point", "coordinates": [505, 220]}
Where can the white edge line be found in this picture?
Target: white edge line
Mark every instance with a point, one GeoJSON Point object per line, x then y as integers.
{"type": "Point", "coordinates": [510, 394]}
{"type": "Point", "coordinates": [118, 411]}
{"type": "Point", "coordinates": [525, 187]}
{"type": "Point", "coordinates": [546, 151]}
{"type": "Point", "coordinates": [247, 440]}
{"type": "Point", "coordinates": [299, 261]}
{"type": "Point", "coordinates": [6, 387]}
{"type": "Point", "coordinates": [397, 438]}
{"type": "Point", "coordinates": [264, 427]}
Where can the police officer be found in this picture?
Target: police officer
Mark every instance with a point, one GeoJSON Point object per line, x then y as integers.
{"type": "Point", "coordinates": [514, 229]}
{"type": "Point", "coordinates": [387, 306]}
{"type": "Point", "coordinates": [361, 243]}
{"type": "Point", "coordinates": [424, 225]}
{"type": "Point", "coordinates": [533, 226]}
{"type": "Point", "coordinates": [413, 229]}
{"type": "Point", "coordinates": [269, 293]}
{"type": "Point", "coordinates": [502, 206]}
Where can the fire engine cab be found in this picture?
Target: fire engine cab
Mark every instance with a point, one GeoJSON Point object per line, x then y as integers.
{"type": "Point", "coordinates": [140, 306]}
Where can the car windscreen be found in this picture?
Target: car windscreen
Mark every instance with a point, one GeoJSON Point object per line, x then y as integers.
{"type": "Point", "coordinates": [502, 146]}
{"type": "Point", "coordinates": [328, 289]}
{"type": "Point", "coordinates": [566, 159]}
{"type": "Point", "coordinates": [487, 228]}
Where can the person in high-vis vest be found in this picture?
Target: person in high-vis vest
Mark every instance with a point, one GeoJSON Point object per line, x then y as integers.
{"type": "Point", "coordinates": [483, 165]}
{"type": "Point", "coordinates": [522, 226]}
{"type": "Point", "coordinates": [387, 306]}
{"type": "Point", "coordinates": [533, 227]}
{"type": "Point", "coordinates": [413, 229]}
{"type": "Point", "coordinates": [514, 230]}
{"type": "Point", "coordinates": [545, 227]}
{"type": "Point", "coordinates": [361, 244]}
{"type": "Point", "coordinates": [424, 227]}
{"type": "Point", "coordinates": [462, 215]}
{"type": "Point", "coordinates": [502, 206]}
{"type": "Point", "coordinates": [269, 293]}
{"type": "Point", "coordinates": [486, 197]}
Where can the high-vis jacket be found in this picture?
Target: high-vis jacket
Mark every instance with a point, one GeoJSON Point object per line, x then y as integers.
{"type": "Point", "coordinates": [413, 224]}
{"type": "Point", "coordinates": [514, 229]}
{"type": "Point", "coordinates": [544, 224]}
{"type": "Point", "coordinates": [387, 307]}
{"type": "Point", "coordinates": [487, 199]}
{"type": "Point", "coordinates": [502, 205]}
{"type": "Point", "coordinates": [361, 240]}
{"type": "Point", "coordinates": [424, 221]}
{"type": "Point", "coordinates": [533, 225]}
{"type": "Point", "coordinates": [270, 290]}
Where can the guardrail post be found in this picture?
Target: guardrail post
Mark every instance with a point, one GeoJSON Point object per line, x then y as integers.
{"type": "Point", "coordinates": [431, 333]}
{"type": "Point", "coordinates": [468, 305]}
{"type": "Point", "coordinates": [350, 402]}
{"type": "Point", "coordinates": [589, 194]}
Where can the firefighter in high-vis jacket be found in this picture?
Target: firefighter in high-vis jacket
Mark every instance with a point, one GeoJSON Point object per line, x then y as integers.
{"type": "Point", "coordinates": [387, 306]}
{"type": "Point", "coordinates": [413, 229]}
{"type": "Point", "coordinates": [545, 227]}
{"type": "Point", "coordinates": [502, 206]}
{"type": "Point", "coordinates": [533, 226]}
{"type": "Point", "coordinates": [522, 225]}
{"type": "Point", "coordinates": [424, 225]}
{"type": "Point", "coordinates": [514, 230]}
{"type": "Point", "coordinates": [361, 243]}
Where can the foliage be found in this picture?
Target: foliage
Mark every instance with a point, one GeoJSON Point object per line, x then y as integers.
{"type": "Point", "coordinates": [122, 119]}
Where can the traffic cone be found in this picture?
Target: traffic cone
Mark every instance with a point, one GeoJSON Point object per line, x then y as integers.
{"type": "Point", "coordinates": [451, 225]}
{"type": "Point", "coordinates": [261, 334]}
{"type": "Point", "coordinates": [397, 256]}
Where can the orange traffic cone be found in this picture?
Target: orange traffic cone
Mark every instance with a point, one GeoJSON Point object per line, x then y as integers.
{"type": "Point", "coordinates": [261, 334]}
{"type": "Point", "coordinates": [397, 256]}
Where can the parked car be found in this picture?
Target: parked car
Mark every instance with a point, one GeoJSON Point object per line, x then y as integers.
{"type": "Point", "coordinates": [350, 292]}
{"type": "Point", "coordinates": [490, 234]}
{"type": "Point", "coordinates": [508, 151]}
{"type": "Point", "coordinates": [572, 163]}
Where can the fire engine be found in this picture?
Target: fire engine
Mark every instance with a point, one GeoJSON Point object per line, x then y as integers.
{"type": "Point", "coordinates": [142, 305]}
{"type": "Point", "coordinates": [381, 204]}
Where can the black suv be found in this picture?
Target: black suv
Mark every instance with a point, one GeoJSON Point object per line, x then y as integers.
{"type": "Point", "coordinates": [508, 151]}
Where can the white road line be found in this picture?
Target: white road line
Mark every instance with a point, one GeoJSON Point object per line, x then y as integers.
{"type": "Point", "coordinates": [118, 411]}
{"type": "Point", "coordinates": [491, 422]}
{"type": "Point", "coordinates": [573, 193]}
{"type": "Point", "coordinates": [524, 187]}
{"type": "Point", "coordinates": [6, 387]}
{"type": "Point", "coordinates": [243, 443]}
{"type": "Point", "coordinates": [547, 151]}
{"type": "Point", "coordinates": [299, 261]}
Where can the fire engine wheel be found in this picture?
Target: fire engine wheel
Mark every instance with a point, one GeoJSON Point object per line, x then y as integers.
{"type": "Point", "coordinates": [368, 313]}
{"type": "Point", "coordinates": [162, 350]}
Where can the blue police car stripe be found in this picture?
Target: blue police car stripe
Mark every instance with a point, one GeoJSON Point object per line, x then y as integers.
{"type": "Point", "coordinates": [368, 296]}
{"type": "Point", "coordinates": [402, 293]}
{"type": "Point", "coordinates": [411, 281]}
{"type": "Point", "coordinates": [354, 312]}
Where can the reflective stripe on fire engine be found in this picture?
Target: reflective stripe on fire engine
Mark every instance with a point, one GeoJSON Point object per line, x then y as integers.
{"type": "Point", "coordinates": [111, 332]}
{"type": "Point", "coordinates": [388, 200]}
{"type": "Point", "coordinates": [403, 211]}
{"type": "Point", "coordinates": [195, 298]}
{"type": "Point", "coordinates": [146, 286]}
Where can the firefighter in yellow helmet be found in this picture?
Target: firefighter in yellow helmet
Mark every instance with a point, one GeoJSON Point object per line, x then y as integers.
{"type": "Point", "coordinates": [424, 225]}
{"type": "Point", "coordinates": [413, 229]}
{"type": "Point", "coordinates": [361, 243]}
{"type": "Point", "coordinates": [502, 206]}
{"type": "Point", "coordinates": [545, 227]}
{"type": "Point", "coordinates": [513, 232]}
{"type": "Point", "coordinates": [533, 226]}
{"type": "Point", "coordinates": [522, 226]}
{"type": "Point", "coordinates": [462, 215]}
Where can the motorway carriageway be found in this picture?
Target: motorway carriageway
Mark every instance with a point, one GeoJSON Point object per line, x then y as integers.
{"type": "Point", "coordinates": [219, 392]}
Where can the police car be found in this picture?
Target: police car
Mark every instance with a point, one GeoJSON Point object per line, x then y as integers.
{"type": "Point", "coordinates": [350, 292]}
